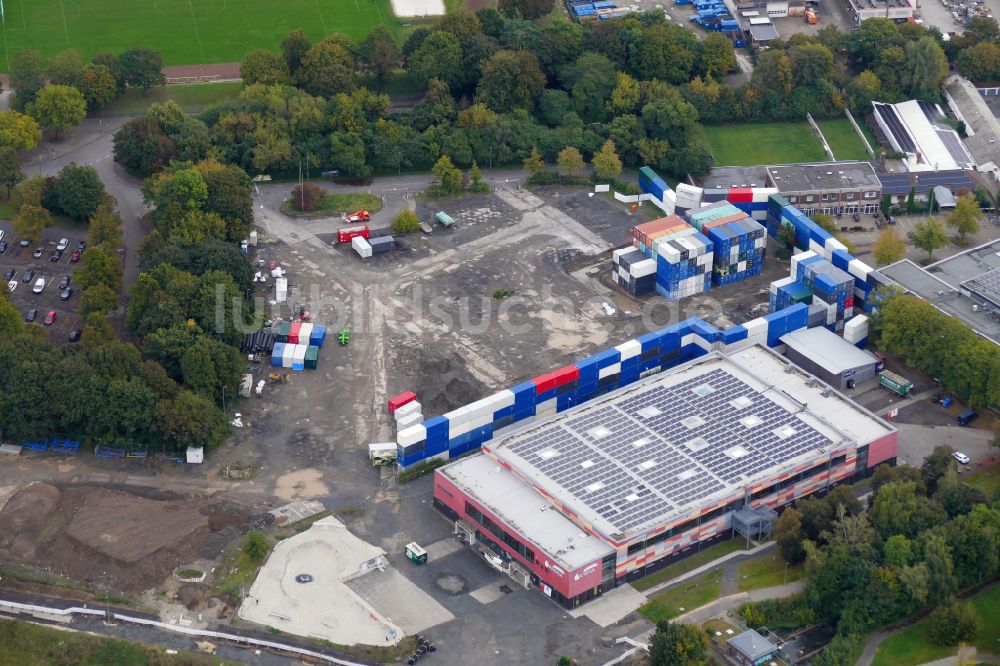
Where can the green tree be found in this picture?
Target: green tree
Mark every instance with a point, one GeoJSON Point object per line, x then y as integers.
{"type": "Point", "coordinates": [10, 320]}
{"type": "Point", "coordinates": [381, 56]}
{"type": "Point", "coordinates": [406, 222]}
{"type": "Point", "coordinates": [569, 162]}
{"type": "Point", "coordinates": [30, 221]}
{"type": "Point", "coordinates": [527, 9]}
{"type": "Point", "coordinates": [449, 177]}
{"type": "Point", "coordinates": [58, 108]}
{"type": "Point", "coordinates": [142, 147]}
{"type": "Point", "coordinates": [294, 48]}
{"type": "Point", "coordinates": [230, 195]}
{"type": "Point", "coordinates": [893, 508]}
{"type": "Point", "coordinates": [898, 551]}
{"type": "Point", "coordinates": [141, 67]}
{"type": "Point", "coordinates": [97, 331]}
{"type": "Point", "coordinates": [862, 90]}
{"type": "Point", "coordinates": [786, 241]}
{"type": "Point", "coordinates": [105, 228]}
{"type": "Point", "coordinates": [27, 75]}
{"type": "Point", "coordinates": [952, 623]}
{"type": "Point", "coordinates": [438, 57]}
{"type": "Point", "coordinates": [788, 535]}
{"type": "Point", "coordinates": [928, 235]}
{"type": "Point", "coordinates": [980, 62]}
{"type": "Point", "coordinates": [773, 74]}
{"type": "Point", "coordinates": [98, 298]}
{"type": "Point", "coordinates": [533, 163]}
{"type": "Point", "coordinates": [594, 79]}
{"type": "Point", "coordinates": [964, 219]}
{"type": "Point", "coordinates": [10, 171]}
{"type": "Point", "coordinates": [510, 80]}
{"type": "Point", "coordinates": [98, 86]}
{"type": "Point", "coordinates": [65, 67]}
{"type": "Point", "coordinates": [196, 227]}
{"type": "Point", "coordinates": [98, 266]}
{"type": "Point", "coordinates": [889, 247]}
{"type": "Point", "coordinates": [606, 163]}
{"type": "Point", "coordinates": [936, 465]}
{"type": "Point", "coordinates": [676, 644]}
{"type": "Point", "coordinates": [263, 66]}
{"type": "Point", "coordinates": [256, 546]}
{"type": "Point", "coordinates": [189, 420]}
{"type": "Point", "coordinates": [18, 131]}
{"type": "Point", "coordinates": [79, 190]}
{"type": "Point", "coordinates": [941, 582]}
{"type": "Point", "coordinates": [811, 64]}
{"type": "Point", "coordinates": [717, 56]}
{"type": "Point", "coordinates": [926, 66]}
{"type": "Point", "coordinates": [326, 69]}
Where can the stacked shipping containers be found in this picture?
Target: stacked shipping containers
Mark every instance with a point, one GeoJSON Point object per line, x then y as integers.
{"type": "Point", "coordinates": [683, 266]}
{"type": "Point", "coordinates": [466, 428]}
{"type": "Point", "coordinates": [298, 344]}
{"type": "Point", "coordinates": [739, 242]}
{"type": "Point", "coordinates": [633, 271]}
{"type": "Point", "coordinates": [856, 331]}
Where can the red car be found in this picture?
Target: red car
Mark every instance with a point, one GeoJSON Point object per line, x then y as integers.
{"type": "Point", "coordinates": [75, 257]}
{"type": "Point", "coordinates": [50, 318]}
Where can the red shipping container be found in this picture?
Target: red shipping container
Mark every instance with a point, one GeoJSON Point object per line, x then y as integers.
{"type": "Point", "coordinates": [293, 333]}
{"type": "Point", "coordinates": [346, 234]}
{"type": "Point", "coordinates": [400, 400]}
{"type": "Point", "coordinates": [565, 375]}
{"type": "Point", "coordinates": [849, 302]}
{"type": "Point", "coordinates": [740, 195]}
{"type": "Point", "coordinates": [544, 383]}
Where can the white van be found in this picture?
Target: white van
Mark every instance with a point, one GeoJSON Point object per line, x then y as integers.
{"type": "Point", "coordinates": [39, 286]}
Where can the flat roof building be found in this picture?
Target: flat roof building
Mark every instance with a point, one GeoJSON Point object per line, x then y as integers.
{"type": "Point", "coordinates": [862, 10]}
{"type": "Point", "coordinates": [616, 488]}
{"type": "Point", "coordinates": [916, 127]}
{"type": "Point", "coordinates": [751, 649]}
{"type": "Point", "coordinates": [981, 125]}
{"type": "Point", "coordinates": [828, 187]}
{"type": "Point", "coordinates": [829, 356]}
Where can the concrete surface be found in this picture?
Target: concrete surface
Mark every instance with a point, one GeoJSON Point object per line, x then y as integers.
{"type": "Point", "coordinates": [733, 601]}
{"type": "Point", "coordinates": [612, 607]}
{"type": "Point", "coordinates": [403, 603]}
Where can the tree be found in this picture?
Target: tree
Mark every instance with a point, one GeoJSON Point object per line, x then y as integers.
{"type": "Point", "coordinates": [65, 67]}
{"type": "Point", "coordinates": [773, 74]}
{"type": "Point", "coordinates": [812, 65]}
{"type": "Point", "coordinates": [230, 195]}
{"type": "Point", "coordinates": [438, 57]}
{"type": "Point", "coordinates": [533, 163]}
{"type": "Point", "coordinates": [936, 465]}
{"type": "Point", "coordinates": [788, 535]}
{"type": "Point", "coordinates": [58, 108]}
{"type": "Point", "coordinates": [99, 266]}
{"type": "Point", "coordinates": [98, 298]}
{"type": "Point", "coordinates": [928, 235]}
{"type": "Point", "coordinates": [676, 644]}
{"type": "Point", "coordinates": [406, 222]}
{"type": "Point", "coordinates": [964, 219]}
{"type": "Point", "coordinates": [862, 89]}
{"type": "Point", "coordinates": [449, 177]}
{"type": "Point", "coordinates": [27, 75]}
{"type": "Point", "coordinates": [952, 623]}
{"type": "Point", "coordinates": [717, 55]}
{"type": "Point", "coordinates": [527, 9]}
{"type": "Point", "coordinates": [594, 79]}
{"type": "Point", "coordinates": [10, 320]}
{"type": "Point", "coordinates": [941, 583]}
{"type": "Point", "coordinates": [889, 247]}
{"type": "Point", "coordinates": [510, 80]}
{"type": "Point", "coordinates": [898, 551]}
{"type": "Point", "coordinates": [307, 196]}
{"type": "Point", "coordinates": [927, 66]}
{"type": "Point", "coordinates": [10, 171]}
{"type": "Point", "coordinates": [105, 228]}
{"type": "Point", "coordinates": [18, 131]}
{"type": "Point", "coordinates": [141, 67]}
{"type": "Point", "coordinates": [189, 420]}
{"type": "Point", "coordinates": [256, 546]}
{"type": "Point", "coordinates": [980, 62]}
{"type": "Point", "coordinates": [786, 240]}
{"type": "Point", "coordinates": [142, 148]}
{"type": "Point", "coordinates": [30, 221]}
{"type": "Point", "coordinates": [98, 86]}
{"type": "Point", "coordinates": [569, 161]}
{"type": "Point", "coordinates": [326, 69]}
{"type": "Point", "coordinates": [294, 47]}
{"type": "Point", "coordinates": [893, 508]}
{"type": "Point", "coordinates": [263, 66]}
{"type": "Point", "coordinates": [606, 163]}
{"type": "Point", "coordinates": [79, 190]}
{"type": "Point", "coordinates": [381, 55]}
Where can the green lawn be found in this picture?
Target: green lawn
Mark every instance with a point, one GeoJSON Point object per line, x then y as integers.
{"type": "Point", "coordinates": [335, 204]}
{"type": "Point", "coordinates": [187, 32]}
{"type": "Point", "coordinates": [192, 97]}
{"type": "Point", "coordinates": [764, 143]}
{"type": "Point", "coordinates": [913, 646]}
{"type": "Point", "coordinates": [688, 563]}
{"type": "Point", "coordinates": [987, 480]}
{"type": "Point", "coordinates": [767, 570]}
{"type": "Point", "coordinates": [843, 140]}
{"type": "Point", "coordinates": [687, 596]}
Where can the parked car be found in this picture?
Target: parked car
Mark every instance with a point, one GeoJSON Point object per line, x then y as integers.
{"type": "Point", "coordinates": [62, 244]}
{"type": "Point", "coordinates": [50, 318]}
{"type": "Point", "coordinates": [28, 276]}
{"type": "Point", "coordinates": [12, 285]}
{"type": "Point", "coordinates": [3, 246]}
{"type": "Point", "coordinates": [74, 335]}
{"type": "Point", "coordinates": [56, 256]}
{"type": "Point", "coordinates": [81, 246]}
{"type": "Point", "coordinates": [24, 242]}
{"type": "Point", "coordinates": [66, 294]}
{"type": "Point", "coordinates": [75, 257]}
{"type": "Point", "coordinates": [967, 417]}
{"type": "Point", "coordinates": [64, 282]}
{"type": "Point", "coordinates": [39, 251]}
{"type": "Point", "coordinates": [39, 286]}
{"type": "Point", "coordinates": [31, 316]}
{"type": "Point", "coordinates": [961, 457]}
{"type": "Point", "coordinates": [9, 275]}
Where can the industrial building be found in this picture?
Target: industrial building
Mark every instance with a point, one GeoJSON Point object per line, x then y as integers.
{"type": "Point", "coordinates": [917, 128]}
{"type": "Point", "coordinates": [965, 285]}
{"type": "Point", "coordinates": [614, 489]}
{"type": "Point", "coordinates": [830, 357]}
{"type": "Point", "coordinates": [982, 127]}
{"type": "Point", "coordinates": [862, 10]}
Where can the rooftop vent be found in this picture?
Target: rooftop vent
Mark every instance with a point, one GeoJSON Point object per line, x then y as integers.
{"type": "Point", "coordinates": [649, 412]}
{"type": "Point", "coordinates": [548, 453]}
{"type": "Point", "coordinates": [696, 444]}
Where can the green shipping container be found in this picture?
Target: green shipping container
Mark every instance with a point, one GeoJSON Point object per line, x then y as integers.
{"type": "Point", "coordinates": [312, 357]}
{"type": "Point", "coordinates": [895, 383]}
{"type": "Point", "coordinates": [284, 328]}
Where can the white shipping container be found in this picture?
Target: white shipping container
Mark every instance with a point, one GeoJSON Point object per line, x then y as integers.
{"type": "Point", "coordinates": [801, 256]}
{"type": "Point", "coordinates": [411, 435]}
{"type": "Point", "coordinates": [281, 289]}
{"type": "Point", "coordinates": [612, 369]}
{"type": "Point", "coordinates": [617, 254]}
{"type": "Point", "coordinates": [300, 353]}
{"type": "Point", "coordinates": [629, 349]}
{"type": "Point", "coordinates": [832, 244]}
{"type": "Point", "coordinates": [407, 409]}
{"type": "Point", "coordinates": [859, 269]}
{"type": "Point", "coordinates": [759, 243]}
{"type": "Point", "coordinates": [361, 246]}
{"type": "Point", "coordinates": [305, 331]}
{"type": "Point", "coordinates": [409, 420]}
{"type": "Point", "coordinates": [643, 268]}
{"type": "Point", "coordinates": [761, 194]}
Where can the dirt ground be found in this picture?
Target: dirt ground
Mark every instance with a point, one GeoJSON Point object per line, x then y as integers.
{"type": "Point", "coordinates": [84, 531]}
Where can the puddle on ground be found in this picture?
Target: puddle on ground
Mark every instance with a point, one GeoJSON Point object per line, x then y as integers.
{"type": "Point", "coordinates": [301, 484]}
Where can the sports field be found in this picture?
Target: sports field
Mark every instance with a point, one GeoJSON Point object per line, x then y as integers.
{"type": "Point", "coordinates": [186, 32]}
{"type": "Point", "coordinates": [843, 140]}
{"type": "Point", "coordinates": [750, 144]}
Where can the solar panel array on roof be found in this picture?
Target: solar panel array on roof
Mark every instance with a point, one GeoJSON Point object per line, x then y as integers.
{"type": "Point", "coordinates": [895, 125]}
{"type": "Point", "coordinates": [667, 446]}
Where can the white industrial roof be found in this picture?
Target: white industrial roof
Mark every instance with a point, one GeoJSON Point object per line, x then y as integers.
{"type": "Point", "coordinates": [939, 147]}
{"type": "Point", "coordinates": [827, 349]}
{"type": "Point", "coordinates": [624, 465]}
{"type": "Point", "coordinates": [526, 511]}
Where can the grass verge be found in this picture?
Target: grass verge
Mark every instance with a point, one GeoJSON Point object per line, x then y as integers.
{"type": "Point", "coordinates": [987, 480]}
{"type": "Point", "coordinates": [236, 572]}
{"type": "Point", "coordinates": [750, 144]}
{"type": "Point", "coordinates": [689, 563]}
{"type": "Point", "coordinates": [687, 596]}
{"type": "Point", "coordinates": [192, 97]}
{"type": "Point", "coordinates": [767, 570]}
{"type": "Point", "coordinates": [335, 204]}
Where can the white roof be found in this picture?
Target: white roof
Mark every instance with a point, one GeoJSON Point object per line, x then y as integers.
{"type": "Point", "coordinates": [528, 513]}
{"type": "Point", "coordinates": [828, 350]}
{"type": "Point", "coordinates": [195, 454]}
{"type": "Point", "coordinates": [929, 139]}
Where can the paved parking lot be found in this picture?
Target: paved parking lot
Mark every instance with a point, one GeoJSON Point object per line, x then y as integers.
{"type": "Point", "coordinates": [21, 260]}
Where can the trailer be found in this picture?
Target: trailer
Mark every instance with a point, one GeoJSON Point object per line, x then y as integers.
{"type": "Point", "coordinates": [894, 383]}
{"type": "Point", "coordinates": [382, 453]}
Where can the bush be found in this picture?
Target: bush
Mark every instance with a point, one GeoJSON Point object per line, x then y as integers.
{"type": "Point", "coordinates": [841, 651]}
{"type": "Point", "coordinates": [406, 222]}
{"type": "Point", "coordinates": [952, 623]}
{"type": "Point", "coordinates": [778, 613]}
{"type": "Point", "coordinates": [307, 197]}
{"type": "Point", "coordinates": [256, 546]}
